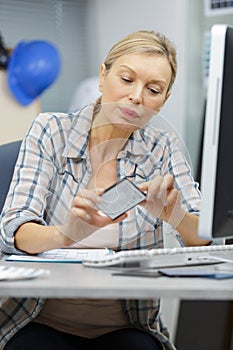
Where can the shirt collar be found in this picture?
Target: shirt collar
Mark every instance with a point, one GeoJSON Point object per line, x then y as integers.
{"type": "Point", "coordinates": [138, 144]}
{"type": "Point", "coordinates": [78, 138]}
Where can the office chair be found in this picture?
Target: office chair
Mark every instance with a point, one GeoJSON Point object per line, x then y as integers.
{"type": "Point", "coordinates": [8, 156]}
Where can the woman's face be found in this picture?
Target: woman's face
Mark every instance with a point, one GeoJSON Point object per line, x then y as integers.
{"type": "Point", "coordinates": [135, 87]}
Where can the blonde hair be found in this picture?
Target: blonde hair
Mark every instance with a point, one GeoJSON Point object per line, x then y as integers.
{"type": "Point", "coordinates": [148, 42]}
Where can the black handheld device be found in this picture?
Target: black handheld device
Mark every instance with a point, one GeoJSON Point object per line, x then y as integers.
{"type": "Point", "coordinates": [120, 197]}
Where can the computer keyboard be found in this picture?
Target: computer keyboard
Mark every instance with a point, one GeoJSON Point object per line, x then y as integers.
{"type": "Point", "coordinates": [156, 258]}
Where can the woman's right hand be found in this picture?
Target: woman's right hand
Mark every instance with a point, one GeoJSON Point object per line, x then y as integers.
{"type": "Point", "coordinates": [84, 218]}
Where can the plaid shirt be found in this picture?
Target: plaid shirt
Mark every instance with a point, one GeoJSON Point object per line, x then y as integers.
{"type": "Point", "coordinates": [53, 164]}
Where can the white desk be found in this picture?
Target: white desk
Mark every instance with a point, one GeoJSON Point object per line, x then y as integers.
{"type": "Point", "coordinates": [76, 281]}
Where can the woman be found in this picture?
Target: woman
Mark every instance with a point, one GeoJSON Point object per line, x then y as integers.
{"type": "Point", "coordinates": [65, 164]}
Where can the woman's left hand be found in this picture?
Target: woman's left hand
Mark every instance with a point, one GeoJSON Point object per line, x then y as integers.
{"type": "Point", "coordinates": [163, 199]}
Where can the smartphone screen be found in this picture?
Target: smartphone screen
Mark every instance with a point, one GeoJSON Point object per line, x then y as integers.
{"type": "Point", "coordinates": [120, 197]}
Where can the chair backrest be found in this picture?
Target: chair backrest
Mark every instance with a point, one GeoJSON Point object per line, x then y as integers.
{"type": "Point", "coordinates": [8, 156]}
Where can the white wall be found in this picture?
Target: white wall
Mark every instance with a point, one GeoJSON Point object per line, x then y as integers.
{"type": "Point", "coordinates": [195, 92]}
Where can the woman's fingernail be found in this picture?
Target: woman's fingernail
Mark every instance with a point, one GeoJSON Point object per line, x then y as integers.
{"type": "Point", "coordinates": [87, 217]}
{"type": "Point", "coordinates": [99, 190]}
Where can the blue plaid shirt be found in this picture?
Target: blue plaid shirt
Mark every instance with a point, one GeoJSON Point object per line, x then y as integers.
{"type": "Point", "coordinates": [53, 164]}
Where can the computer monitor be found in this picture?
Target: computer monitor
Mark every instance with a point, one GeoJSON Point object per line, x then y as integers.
{"type": "Point", "coordinates": [216, 215]}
